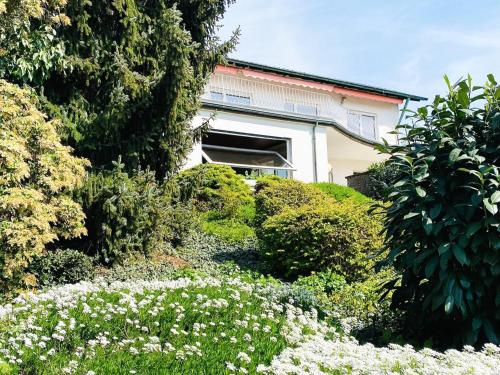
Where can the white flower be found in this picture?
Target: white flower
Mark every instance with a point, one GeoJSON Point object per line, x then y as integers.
{"type": "Point", "coordinates": [242, 356]}
{"type": "Point", "coordinates": [230, 366]}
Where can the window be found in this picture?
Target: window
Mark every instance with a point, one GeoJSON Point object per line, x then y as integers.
{"type": "Point", "coordinates": [219, 96]}
{"type": "Point", "coordinates": [362, 124]}
{"type": "Point", "coordinates": [216, 95]}
{"type": "Point", "coordinates": [248, 155]}
{"type": "Point", "coordinates": [238, 99]}
{"type": "Point", "coordinates": [304, 109]}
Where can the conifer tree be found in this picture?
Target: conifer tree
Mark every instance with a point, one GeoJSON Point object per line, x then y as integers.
{"type": "Point", "coordinates": [124, 76]}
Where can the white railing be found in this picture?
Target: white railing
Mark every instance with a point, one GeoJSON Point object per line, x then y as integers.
{"type": "Point", "coordinates": [269, 96]}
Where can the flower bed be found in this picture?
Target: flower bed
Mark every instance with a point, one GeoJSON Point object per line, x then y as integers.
{"type": "Point", "coordinates": [346, 356]}
{"type": "Point", "coordinates": [201, 326]}
{"type": "Point", "coordinates": [168, 327]}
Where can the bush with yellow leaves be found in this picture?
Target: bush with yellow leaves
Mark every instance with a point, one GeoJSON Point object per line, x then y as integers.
{"type": "Point", "coordinates": [37, 175]}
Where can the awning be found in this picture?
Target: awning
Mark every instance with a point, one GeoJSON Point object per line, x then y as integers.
{"type": "Point", "coordinates": [245, 158]}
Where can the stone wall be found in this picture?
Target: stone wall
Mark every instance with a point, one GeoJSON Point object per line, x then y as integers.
{"type": "Point", "coordinates": [360, 182]}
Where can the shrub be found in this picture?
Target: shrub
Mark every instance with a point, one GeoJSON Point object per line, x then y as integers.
{"type": "Point", "coordinates": [214, 188]}
{"type": "Point", "coordinates": [37, 174]}
{"type": "Point", "coordinates": [129, 214]}
{"type": "Point", "coordinates": [339, 192]}
{"type": "Point", "coordinates": [442, 221]}
{"type": "Point", "coordinates": [358, 306]}
{"type": "Point", "coordinates": [62, 267]}
{"type": "Point", "coordinates": [340, 236]}
{"type": "Point", "coordinates": [228, 230]}
{"type": "Point", "coordinates": [381, 176]}
{"type": "Point", "coordinates": [273, 194]}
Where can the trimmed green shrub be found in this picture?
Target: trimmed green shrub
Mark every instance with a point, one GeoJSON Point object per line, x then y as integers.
{"type": "Point", "coordinates": [443, 221]}
{"type": "Point", "coordinates": [339, 192]}
{"type": "Point", "coordinates": [216, 188]}
{"type": "Point", "coordinates": [274, 194]}
{"type": "Point", "coordinates": [62, 267]}
{"type": "Point", "coordinates": [339, 235]}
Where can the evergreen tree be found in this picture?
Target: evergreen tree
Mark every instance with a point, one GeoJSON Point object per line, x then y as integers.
{"type": "Point", "coordinates": [128, 76]}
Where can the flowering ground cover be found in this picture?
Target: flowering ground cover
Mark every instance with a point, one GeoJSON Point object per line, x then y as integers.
{"type": "Point", "coordinates": [197, 326]}
{"type": "Point", "coordinates": [157, 327]}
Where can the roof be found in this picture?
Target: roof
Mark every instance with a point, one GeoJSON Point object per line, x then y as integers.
{"type": "Point", "coordinates": [316, 78]}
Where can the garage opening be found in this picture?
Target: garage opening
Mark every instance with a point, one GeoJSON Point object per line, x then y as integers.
{"type": "Point", "coordinates": [251, 156]}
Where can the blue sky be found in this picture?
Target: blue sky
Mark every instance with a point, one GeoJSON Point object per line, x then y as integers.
{"type": "Point", "coordinates": [402, 45]}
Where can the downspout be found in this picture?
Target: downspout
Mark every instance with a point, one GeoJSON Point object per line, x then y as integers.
{"type": "Point", "coordinates": [403, 114]}
{"type": "Point", "coordinates": [315, 160]}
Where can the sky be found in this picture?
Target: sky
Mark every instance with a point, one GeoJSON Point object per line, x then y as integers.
{"type": "Point", "coordinates": [402, 45]}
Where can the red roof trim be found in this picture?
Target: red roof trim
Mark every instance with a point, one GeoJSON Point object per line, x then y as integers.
{"type": "Point", "coordinates": [273, 77]}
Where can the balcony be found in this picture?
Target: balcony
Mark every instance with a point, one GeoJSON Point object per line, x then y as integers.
{"type": "Point", "coordinates": [284, 99]}
{"type": "Point", "coordinates": [271, 97]}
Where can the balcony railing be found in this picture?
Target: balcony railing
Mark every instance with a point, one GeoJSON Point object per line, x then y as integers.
{"type": "Point", "coordinates": [278, 98]}
{"type": "Point", "coordinates": [268, 96]}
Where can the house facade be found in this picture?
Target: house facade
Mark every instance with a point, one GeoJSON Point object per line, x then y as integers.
{"type": "Point", "coordinates": [275, 121]}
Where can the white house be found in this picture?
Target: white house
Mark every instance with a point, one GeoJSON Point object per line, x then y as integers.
{"type": "Point", "coordinates": [311, 128]}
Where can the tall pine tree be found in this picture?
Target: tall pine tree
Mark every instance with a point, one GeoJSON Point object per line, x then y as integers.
{"type": "Point", "coordinates": [124, 76]}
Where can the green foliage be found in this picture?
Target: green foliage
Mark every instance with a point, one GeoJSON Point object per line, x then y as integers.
{"type": "Point", "coordinates": [203, 310]}
{"type": "Point", "coordinates": [340, 236]}
{"type": "Point", "coordinates": [37, 174]}
{"type": "Point", "coordinates": [443, 219]}
{"type": "Point", "coordinates": [214, 257]}
{"type": "Point", "coordinates": [62, 267]}
{"type": "Point", "coordinates": [274, 194]}
{"type": "Point", "coordinates": [215, 188]}
{"type": "Point", "coordinates": [28, 49]}
{"type": "Point", "coordinates": [358, 304]}
{"type": "Point", "coordinates": [5, 368]}
{"type": "Point", "coordinates": [339, 192]}
{"type": "Point", "coordinates": [125, 76]}
{"type": "Point", "coordinates": [381, 176]}
{"type": "Point", "coordinates": [129, 214]}
{"type": "Point", "coordinates": [228, 230]}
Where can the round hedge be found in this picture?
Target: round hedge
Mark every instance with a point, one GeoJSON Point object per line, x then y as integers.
{"type": "Point", "coordinates": [214, 188]}
{"type": "Point", "coordinates": [341, 236]}
{"type": "Point", "coordinates": [273, 195]}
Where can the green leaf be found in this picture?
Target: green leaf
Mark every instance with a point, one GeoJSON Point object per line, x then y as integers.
{"type": "Point", "coordinates": [454, 154]}
{"type": "Point", "coordinates": [477, 322]}
{"type": "Point", "coordinates": [431, 266]}
{"type": "Point", "coordinates": [473, 228]}
{"type": "Point", "coordinates": [443, 248]}
{"type": "Point", "coordinates": [489, 330]}
{"type": "Point", "coordinates": [495, 197]}
{"type": "Point", "coordinates": [410, 215]}
{"type": "Point", "coordinates": [435, 210]}
{"type": "Point", "coordinates": [420, 191]}
{"type": "Point", "coordinates": [448, 304]}
{"type": "Point", "coordinates": [459, 254]}
{"type": "Point", "coordinates": [491, 207]}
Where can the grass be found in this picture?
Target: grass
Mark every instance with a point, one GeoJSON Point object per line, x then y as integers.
{"type": "Point", "coordinates": [196, 328]}
{"type": "Point", "coordinates": [340, 192]}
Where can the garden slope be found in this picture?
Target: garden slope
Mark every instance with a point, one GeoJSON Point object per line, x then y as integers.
{"type": "Point", "coordinates": [201, 326]}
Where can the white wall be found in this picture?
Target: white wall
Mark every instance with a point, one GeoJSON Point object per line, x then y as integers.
{"type": "Point", "coordinates": [386, 115]}
{"type": "Point", "coordinates": [341, 168]}
{"type": "Point", "coordinates": [299, 134]}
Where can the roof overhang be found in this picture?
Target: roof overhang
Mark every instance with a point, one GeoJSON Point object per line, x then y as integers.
{"type": "Point", "coordinates": [313, 81]}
